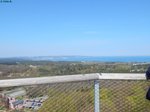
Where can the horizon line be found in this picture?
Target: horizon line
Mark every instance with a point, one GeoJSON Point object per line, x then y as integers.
{"type": "Point", "coordinates": [75, 56]}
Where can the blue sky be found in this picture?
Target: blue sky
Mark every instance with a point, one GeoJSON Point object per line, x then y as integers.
{"type": "Point", "coordinates": [75, 27]}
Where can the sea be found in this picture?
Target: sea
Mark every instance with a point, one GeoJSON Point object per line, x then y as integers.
{"type": "Point", "coordinates": [139, 59]}
{"type": "Point", "coordinates": [95, 58]}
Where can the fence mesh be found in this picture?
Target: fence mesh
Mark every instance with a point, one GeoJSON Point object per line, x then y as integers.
{"type": "Point", "coordinates": [63, 97]}
{"type": "Point", "coordinates": [123, 96]}
{"type": "Point", "coordinates": [115, 96]}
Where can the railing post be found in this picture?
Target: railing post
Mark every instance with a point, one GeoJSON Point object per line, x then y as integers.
{"type": "Point", "coordinates": [96, 96]}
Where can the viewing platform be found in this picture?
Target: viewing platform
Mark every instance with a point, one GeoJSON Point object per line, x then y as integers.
{"type": "Point", "coordinates": [96, 92]}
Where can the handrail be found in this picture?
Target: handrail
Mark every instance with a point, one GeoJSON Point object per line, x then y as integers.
{"type": "Point", "coordinates": [71, 78]}
{"type": "Point", "coordinates": [123, 76]}
{"type": "Point", "coordinates": [48, 80]}
{"type": "Point", "coordinates": [75, 78]}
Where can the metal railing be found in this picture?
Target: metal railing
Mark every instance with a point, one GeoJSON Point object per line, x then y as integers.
{"type": "Point", "coordinates": [104, 92]}
{"type": "Point", "coordinates": [123, 92]}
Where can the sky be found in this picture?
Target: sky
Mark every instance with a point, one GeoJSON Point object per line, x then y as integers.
{"type": "Point", "coordinates": [75, 27]}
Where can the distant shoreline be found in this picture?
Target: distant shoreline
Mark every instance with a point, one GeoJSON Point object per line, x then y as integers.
{"type": "Point", "coordinates": [139, 59]}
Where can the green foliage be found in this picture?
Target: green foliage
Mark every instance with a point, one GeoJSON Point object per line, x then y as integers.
{"type": "Point", "coordinates": [2, 108]}
{"type": "Point", "coordinates": [40, 68]}
{"type": "Point", "coordinates": [136, 100]}
{"type": "Point", "coordinates": [68, 101]}
{"type": "Point", "coordinates": [106, 98]}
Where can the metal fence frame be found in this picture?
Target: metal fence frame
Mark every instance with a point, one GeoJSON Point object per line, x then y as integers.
{"type": "Point", "coordinates": [74, 78]}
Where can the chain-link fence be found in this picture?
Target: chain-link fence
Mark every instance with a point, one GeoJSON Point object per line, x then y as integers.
{"type": "Point", "coordinates": [63, 97]}
{"type": "Point", "coordinates": [124, 96]}
{"type": "Point", "coordinates": [115, 96]}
